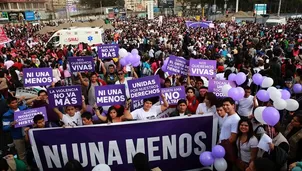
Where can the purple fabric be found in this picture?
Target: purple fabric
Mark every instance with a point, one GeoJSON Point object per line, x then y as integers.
{"type": "Point", "coordinates": [173, 144]}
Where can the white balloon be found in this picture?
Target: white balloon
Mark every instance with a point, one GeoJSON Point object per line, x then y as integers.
{"type": "Point", "coordinates": [258, 114]}
{"type": "Point", "coordinates": [220, 164]}
{"type": "Point", "coordinates": [101, 167]}
{"type": "Point", "coordinates": [271, 89]}
{"type": "Point", "coordinates": [275, 95]}
{"type": "Point", "coordinates": [267, 82]}
{"type": "Point", "coordinates": [225, 89]}
{"type": "Point", "coordinates": [122, 52]}
{"type": "Point", "coordinates": [291, 105]}
{"type": "Point", "coordinates": [280, 104]}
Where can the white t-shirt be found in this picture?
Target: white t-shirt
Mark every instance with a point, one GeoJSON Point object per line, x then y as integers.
{"type": "Point", "coordinates": [229, 126]}
{"type": "Point", "coordinates": [203, 108]}
{"type": "Point", "coordinates": [75, 120]}
{"type": "Point", "coordinates": [141, 114]}
{"type": "Point", "coordinates": [245, 106]}
{"type": "Point", "coordinates": [8, 64]}
{"type": "Point", "coordinates": [126, 85]}
{"type": "Point", "coordinates": [245, 148]}
{"type": "Point", "coordinates": [220, 76]}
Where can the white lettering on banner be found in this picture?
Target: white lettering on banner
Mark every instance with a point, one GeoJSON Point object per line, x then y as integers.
{"type": "Point", "coordinates": [202, 71]}
{"type": "Point", "coordinates": [53, 154]}
{"type": "Point", "coordinates": [144, 83]}
{"type": "Point", "coordinates": [81, 67]}
{"type": "Point", "coordinates": [76, 156]}
{"type": "Point", "coordinates": [114, 153]}
{"type": "Point", "coordinates": [131, 150]}
{"type": "Point", "coordinates": [37, 80]}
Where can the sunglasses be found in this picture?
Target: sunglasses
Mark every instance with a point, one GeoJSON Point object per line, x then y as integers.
{"type": "Point", "coordinates": [120, 73]}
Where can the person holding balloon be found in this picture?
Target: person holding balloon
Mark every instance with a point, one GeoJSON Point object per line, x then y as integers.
{"type": "Point", "coordinates": [246, 144]}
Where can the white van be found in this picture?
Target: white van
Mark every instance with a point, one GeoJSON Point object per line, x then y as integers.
{"type": "Point", "coordinates": [76, 35]}
{"type": "Point", "coordinates": [275, 21]}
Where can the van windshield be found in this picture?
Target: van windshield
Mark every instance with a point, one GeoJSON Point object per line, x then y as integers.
{"type": "Point", "coordinates": [55, 39]}
{"type": "Point", "coordinates": [271, 24]}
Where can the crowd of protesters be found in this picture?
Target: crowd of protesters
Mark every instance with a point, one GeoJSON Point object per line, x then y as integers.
{"type": "Point", "coordinates": [251, 48]}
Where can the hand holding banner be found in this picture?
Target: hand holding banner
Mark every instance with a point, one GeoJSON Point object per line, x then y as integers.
{"type": "Point", "coordinates": [25, 117]}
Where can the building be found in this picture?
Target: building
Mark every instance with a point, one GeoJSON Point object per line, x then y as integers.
{"type": "Point", "coordinates": [18, 10]}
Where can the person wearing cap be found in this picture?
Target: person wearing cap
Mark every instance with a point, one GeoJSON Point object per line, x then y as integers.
{"type": "Point", "coordinates": [220, 73]}
{"type": "Point", "coordinates": [148, 111]}
{"type": "Point", "coordinates": [124, 80]}
{"type": "Point", "coordinates": [182, 109]}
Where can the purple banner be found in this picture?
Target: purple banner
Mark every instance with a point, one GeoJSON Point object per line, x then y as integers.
{"type": "Point", "coordinates": [173, 94]}
{"type": "Point", "coordinates": [65, 96]}
{"type": "Point", "coordinates": [110, 95]}
{"type": "Point", "coordinates": [215, 86]}
{"type": "Point", "coordinates": [81, 64]}
{"type": "Point", "coordinates": [144, 87]}
{"type": "Point", "coordinates": [199, 67]}
{"type": "Point", "coordinates": [37, 76]}
{"type": "Point", "coordinates": [108, 51]}
{"type": "Point", "coordinates": [170, 144]}
{"type": "Point", "coordinates": [177, 65]}
{"type": "Point", "coordinates": [25, 117]}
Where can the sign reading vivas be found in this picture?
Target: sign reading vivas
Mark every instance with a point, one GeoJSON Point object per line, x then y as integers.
{"type": "Point", "coordinates": [81, 64]}
{"type": "Point", "coordinates": [37, 76]}
{"type": "Point", "coordinates": [200, 67]}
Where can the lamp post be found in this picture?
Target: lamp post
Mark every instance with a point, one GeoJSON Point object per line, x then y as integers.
{"type": "Point", "coordinates": [279, 8]}
{"type": "Point", "coordinates": [237, 5]}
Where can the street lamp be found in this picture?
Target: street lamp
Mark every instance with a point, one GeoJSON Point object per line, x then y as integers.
{"type": "Point", "coordinates": [237, 5]}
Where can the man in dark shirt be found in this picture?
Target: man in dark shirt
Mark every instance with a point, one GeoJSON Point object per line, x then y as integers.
{"type": "Point", "coordinates": [182, 109]}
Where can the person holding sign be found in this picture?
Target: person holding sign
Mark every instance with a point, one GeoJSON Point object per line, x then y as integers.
{"type": "Point", "coordinates": [148, 111]}
{"type": "Point", "coordinates": [123, 80]}
{"type": "Point", "coordinates": [72, 117]}
{"type": "Point", "coordinates": [113, 115]}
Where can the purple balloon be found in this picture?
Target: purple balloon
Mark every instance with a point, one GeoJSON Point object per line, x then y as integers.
{"type": "Point", "coordinates": [123, 61]}
{"type": "Point", "coordinates": [271, 116]}
{"type": "Point", "coordinates": [206, 158]}
{"type": "Point", "coordinates": [263, 95]}
{"type": "Point", "coordinates": [134, 51]}
{"type": "Point", "coordinates": [136, 64]}
{"type": "Point", "coordinates": [257, 79]}
{"type": "Point", "coordinates": [218, 151]}
{"type": "Point", "coordinates": [240, 78]}
{"type": "Point", "coordinates": [130, 59]}
{"type": "Point", "coordinates": [234, 94]}
{"type": "Point", "coordinates": [232, 77]}
{"type": "Point", "coordinates": [285, 94]}
{"type": "Point", "coordinates": [241, 92]}
{"type": "Point", "coordinates": [297, 88]}
{"type": "Point", "coordinates": [89, 109]}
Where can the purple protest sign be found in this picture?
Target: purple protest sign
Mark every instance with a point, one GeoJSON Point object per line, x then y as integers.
{"type": "Point", "coordinates": [215, 86]}
{"type": "Point", "coordinates": [199, 67]}
{"type": "Point", "coordinates": [135, 104]}
{"type": "Point", "coordinates": [177, 65]}
{"type": "Point", "coordinates": [81, 64]}
{"type": "Point", "coordinates": [108, 51]}
{"type": "Point", "coordinates": [110, 95]}
{"type": "Point", "coordinates": [37, 76]}
{"type": "Point", "coordinates": [144, 87]}
{"type": "Point", "coordinates": [65, 96]}
{"type": "Point", "coordinates": [25, 117]}
{"type": "Point", "coordinates": [170, 144]}
{"type": "Point", "coordinates": [173, 94]}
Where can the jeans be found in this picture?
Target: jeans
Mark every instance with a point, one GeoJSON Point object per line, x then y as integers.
{"type": "Point", "coordinates": [21, 149]}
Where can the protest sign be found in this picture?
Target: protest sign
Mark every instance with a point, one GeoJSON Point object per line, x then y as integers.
{"type": "Point", "coordinates": [81, 64]}
{"type": "Point", "coordinates": [177, 65]}
{"type": "Point", "coordinates": [215, 86]}
{"type": "Point", "coordinates": [169, 143]}
{"type": "Point", "coordinates": [110, 95]}
{"type": "Point", "coordinates": [65, 96]}
{"type": "Point", "coordinates": [108, 51]}
{"type": "Point", "coordinates": [25, 117]}
{"type": "Point", "coordinates": [28, 92]}
{"type": "Point", "coordinates": [199, 67]}
{"type": "Point", "coordinates": [135, 104]}
{"type": "Point", "coordinates": [37, 76]}
{"type": "Point", "coordinates": [144, 87]}
{"type": "Point", "coordinates": [173, 94]}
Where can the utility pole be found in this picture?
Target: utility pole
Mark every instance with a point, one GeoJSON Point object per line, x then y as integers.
{"type": "Point", "coordinates": [237, 5]}
{"type": "Point", "coordinates": [279, 8]}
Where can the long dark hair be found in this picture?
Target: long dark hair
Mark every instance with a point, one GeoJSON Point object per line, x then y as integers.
{"type": "Point", "coordinates": [250, 133]}
{"type": "Point", "coordinates": [119, 112]}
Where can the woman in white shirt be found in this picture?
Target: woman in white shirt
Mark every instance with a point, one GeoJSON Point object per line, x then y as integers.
{"type": "Point", "coordinates": [246, 144]}
{"type": "Point", "coordinates": [208, 106]}
{"type": "Point", "coordinates": [56, 73]}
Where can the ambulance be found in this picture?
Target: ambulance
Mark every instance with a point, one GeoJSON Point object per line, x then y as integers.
{"type": "Point", "coordinates": [76, 35]}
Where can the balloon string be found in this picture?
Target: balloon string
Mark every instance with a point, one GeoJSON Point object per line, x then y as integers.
{"type": "Point", "coordinates": [270, 134]}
